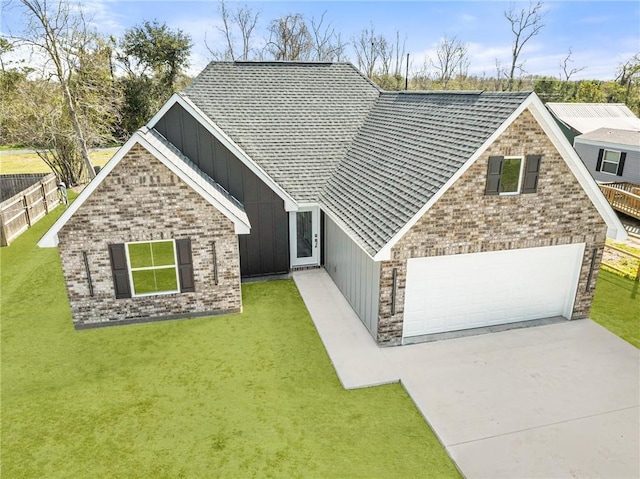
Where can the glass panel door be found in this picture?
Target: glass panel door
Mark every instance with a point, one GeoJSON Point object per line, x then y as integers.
{"type": "Point", "coordinates": [304, 233]}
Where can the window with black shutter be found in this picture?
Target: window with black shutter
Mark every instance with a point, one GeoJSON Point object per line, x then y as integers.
{"type": "Point", "coordinates": [512, 175]}
{"type": "Point", "coordinates": [147, 268]}
{"type": "Point", "coordinates": [531, 171]}
{"type": "Point", "coordinates": [185, 265]}
{"type": "Point", "coordinates": [120, 270]}
{"type": "Point", "coordinates": [611, 161]}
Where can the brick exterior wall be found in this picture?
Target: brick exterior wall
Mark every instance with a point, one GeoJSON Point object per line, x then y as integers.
{"type": "Point", "coordinates": [465, 220]}
{"type": "Point", "coordinates": [141, 199]}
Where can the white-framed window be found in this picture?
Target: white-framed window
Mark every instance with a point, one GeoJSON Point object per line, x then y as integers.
{"type": "Point", "coordinates": [153, 267]}
{"type": "Point", "coordinates": [511, 175]}
{"type": "Point", "coordinates": [610, 162]}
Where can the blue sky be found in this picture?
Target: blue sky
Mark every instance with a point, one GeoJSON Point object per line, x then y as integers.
{"type": "Point", "coordinates": [601, 33]}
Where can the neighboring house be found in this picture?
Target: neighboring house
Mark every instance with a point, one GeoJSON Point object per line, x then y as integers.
{"type": "Point", "coordinates": [431, 211]}
{"type": "Point", "coordinates": [611, 155]}
{"type": "Point", "coordinates": [577, 118]}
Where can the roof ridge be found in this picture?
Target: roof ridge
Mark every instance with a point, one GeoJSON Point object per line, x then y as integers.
{"type": "Point", "coordinates": [458, 92]}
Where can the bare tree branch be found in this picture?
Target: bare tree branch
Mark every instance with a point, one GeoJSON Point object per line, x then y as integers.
{"type": "Point", "coordinates": [525, 24]}
{"type": "Point", "coordinates": [242, 20]}
{"type": "Point", "coordinates": [289, 39]}
{"type": "Point", "coordinates": [327, 44]}
{"type": "Point", "coordinates": [451, 60]}
{"type": "Point", "coordinates": [60, 34]}
{"type": "Point", "coordinates": [567, 72]}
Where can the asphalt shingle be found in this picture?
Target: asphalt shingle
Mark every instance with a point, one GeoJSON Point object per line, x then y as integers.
{"type": "Point", "coordinates": [325, 133]}
{"type": "Point", "coordinates": [407, 149]}
{"type": "Point", "coordinates": [296, 120]}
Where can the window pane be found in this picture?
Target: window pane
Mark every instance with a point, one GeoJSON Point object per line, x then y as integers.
{"type": "Point", "coordinates": [610, 161]}
{"type": "Point", "coordinates": [140, 255]}
{"type": "Point", "coordinates": [610, 167]}
{"type": "Point", "coordinates": [163, 253]}
{"type": "Point", "coordinates": [510, 175]}
{"type": "Point", "coordinates": [166, 280]}
{"type": "Point", "coordinates": [611, 156]}
{"type": "Point", "coordinates": [154, 281]}
{"type": "Point", "coordinates": [303, 233]}
{"type": "Point", "coordinates": [144, 282]}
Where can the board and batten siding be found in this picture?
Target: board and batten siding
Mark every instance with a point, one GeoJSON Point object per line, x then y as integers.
{"type": "Point", "coordinates": [588, 153]}
{"type": "Point", "coordinates": [356, 274]}
{"type": "Point", "coordinates": [266, 249]}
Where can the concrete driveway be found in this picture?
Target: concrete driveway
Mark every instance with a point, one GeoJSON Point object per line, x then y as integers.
{"type": "Point", "coordinates": [560, 400]}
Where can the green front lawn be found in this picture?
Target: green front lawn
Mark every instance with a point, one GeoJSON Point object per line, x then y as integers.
{"type": "Point", "coordinates": [616, 306]}
{"type": "Point", "coordinates": [250, 395]}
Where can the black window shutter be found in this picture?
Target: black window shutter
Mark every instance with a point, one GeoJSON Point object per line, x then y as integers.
{"type": "Point", "coordinates": [599, 162]}
{"type": "Point", "coordinates": [493, 175]}
{"type": "Point", "coordinates": [623, 157]}
{"type": "Point", "coordinates": [120, 271]}
{"type": "Point", "coordinates": [185, 265]}
{"type": "Point", "coordinates": [531, 170]}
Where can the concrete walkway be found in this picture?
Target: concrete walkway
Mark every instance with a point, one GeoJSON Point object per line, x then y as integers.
{"type": "Point", "coordinates": [358, 360]}
{"type": "Point", "coordinates": [553, 401]}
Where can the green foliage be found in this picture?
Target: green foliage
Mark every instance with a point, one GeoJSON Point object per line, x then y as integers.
{"type": "Point", "coordinates": [590, 92]}
{"type": "Point", "coordinates": [141, 99]}
{"type": "Point", "coordinates": [154, 58]}
{"type": "Point", "coordinates": [156, 47]}
{"type": "Point", "coordinates": [246, 395]}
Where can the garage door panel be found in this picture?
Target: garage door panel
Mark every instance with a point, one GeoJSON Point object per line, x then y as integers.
{"type": "Point", "coordinates": [448, 293]}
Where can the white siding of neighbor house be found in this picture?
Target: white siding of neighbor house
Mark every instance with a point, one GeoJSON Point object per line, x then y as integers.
{"type": "Point", "coordinates": [589, 155]}
{"type": "Point", "coordinates": [356, 274]}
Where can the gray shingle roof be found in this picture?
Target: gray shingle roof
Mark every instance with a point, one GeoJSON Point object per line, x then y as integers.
{"type": "Point", "coordinates": [296, 120]}
{"type": "Point", "coordinates": [612, 135]}
{"type": "Point", "coordinates": [407, 149]}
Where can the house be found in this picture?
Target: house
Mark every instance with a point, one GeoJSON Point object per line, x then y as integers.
{"type": "Point", "coordinates": [577, 118]}
{"type": "Point", "coordinates": [611, 155]}
{"type": "Point", "coordinates": [431, 211]}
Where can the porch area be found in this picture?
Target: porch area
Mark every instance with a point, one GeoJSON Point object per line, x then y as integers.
{"type": "Point", "coordinates": [623, 197]}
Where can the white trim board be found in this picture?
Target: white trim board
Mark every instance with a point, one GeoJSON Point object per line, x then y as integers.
{"type": "Point", "coordinates": [606, 144]}
{"type": "Point", "coordinates": [615, 230]}
{"type": "Point", "coordinates": [289, 203]}
{"type": "Point", "coordinates": [231, 211]}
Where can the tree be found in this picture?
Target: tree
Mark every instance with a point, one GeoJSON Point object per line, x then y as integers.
{"type": "Point", "coordinates": [327, 44]}
{"type": "Point", "coordinates": [525, 24]}
{"type": "Point", "coordinates": [156, 48]}
{"type": "Point", "coordinates": [566, 71]}
{"type": "Point", "coordinates": [242, 20]}
{"type": "Point", "coordinates": [5, 47]}
{"type": "Point", "coordinates": [289, 39]}
{"type": "Point", "coordinates": [61, 34]}
{"type": "Point", "coordinates": [154, 58]}
{"type": "Point", "coordinates": [590, 92]}
{"type": "Point", "coordinates": [628, 77]}
{"type": "Point", "coordinates": [451, 60]}
{"type": "Point", "coordinates": [368, 47]}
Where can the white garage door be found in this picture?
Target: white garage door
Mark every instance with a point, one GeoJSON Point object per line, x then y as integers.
{"type": "Point", "coordinates": [450, 293]}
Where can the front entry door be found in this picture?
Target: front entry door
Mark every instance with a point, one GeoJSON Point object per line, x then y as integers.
{"type": "Point", "coordinates": [304, 226]}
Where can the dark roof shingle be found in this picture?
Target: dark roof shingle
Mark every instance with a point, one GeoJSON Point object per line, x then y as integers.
{"type": "Point", "coordinates": [407, 149]}
{"type": "Point", "coordinates": [295, 120]}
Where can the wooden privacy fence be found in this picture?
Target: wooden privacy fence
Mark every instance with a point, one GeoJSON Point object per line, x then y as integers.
{"type": "Point", "coordinates": [624, 197]}
{"type": "Point", "coordinates": [22, 210]}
